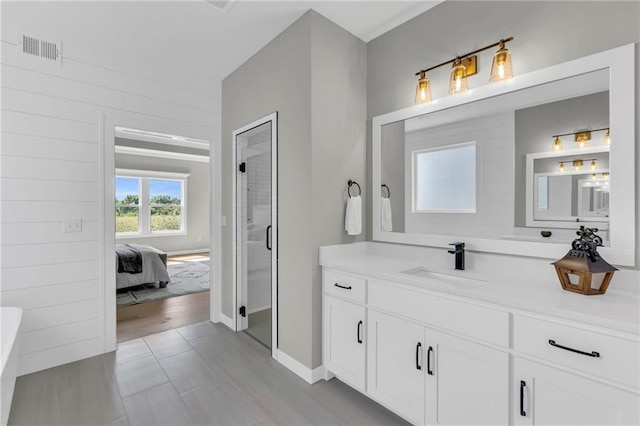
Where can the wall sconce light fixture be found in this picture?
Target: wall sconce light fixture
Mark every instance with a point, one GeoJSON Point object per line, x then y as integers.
{"type": "Point", "coordinates": [605, 175]}
{"type": "Point", "coordinates": [465, 66]}
{"type": "Point", "coordinates": [582, 138]}
{"type": "Point", "coordinates": [577, 164]}
{"type": "Point", "coordinates": [592, 166]}
{"type": "Point", "coordinates": [561, 166]}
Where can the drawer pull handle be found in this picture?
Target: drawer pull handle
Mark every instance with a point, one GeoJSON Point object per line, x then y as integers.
{"type": "Point", "coordinates": [418, 366]}
{"type": "Point", "coordinates": [348, 287]}
{"type": "Point", "coordinates": [593, 354]}
{"type": "Point", "coordinates": [522, 386]}
{"type": "Point", "coordinates": [359, 326]}
{"type": "Point", "coordinates": [429, 370]}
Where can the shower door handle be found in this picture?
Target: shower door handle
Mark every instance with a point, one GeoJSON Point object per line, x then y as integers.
{"type": "Point", "coordinates": [267, 240]}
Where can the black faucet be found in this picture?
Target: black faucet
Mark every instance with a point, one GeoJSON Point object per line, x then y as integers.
{"type": "Point", "coordinates": [459, 252]}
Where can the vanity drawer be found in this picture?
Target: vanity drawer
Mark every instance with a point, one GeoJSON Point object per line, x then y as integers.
{"type": "Point", "coordinates": [489, 325]}
{"type": "Point", "coordinates": [344, 285]}
{"type": "Point", "coordinates": [601, 355]}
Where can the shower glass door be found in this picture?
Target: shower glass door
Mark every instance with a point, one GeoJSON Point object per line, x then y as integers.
{"type": "Point", "coordinates": [254, 232]}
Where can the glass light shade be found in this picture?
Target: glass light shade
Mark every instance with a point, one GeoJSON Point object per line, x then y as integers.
{"type": "Point", "coordinates": [501, 69]}
{"type": "Point", "coordinates": [557, 144]}
{"type": "Point", "coordinates": [605, 175]}
{"type": "Point", "coordinates": [594, 176]}
{"type": "Point", "coordinates": [423, 90]}
{"type": "Point", "coordinates": [593, 165]}
{"type": "Point", "coordinates": [582, 139]}
{"type": "Point", "coordinates": [562, 167]}
{"type": "Point", "coordinates": [458, 82]}
{"type": "Point", "coordinates": [577, 164]}
{"type": "Point", "coordinates": [607, 139]}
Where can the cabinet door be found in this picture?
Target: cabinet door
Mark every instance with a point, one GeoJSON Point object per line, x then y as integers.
{"type": "Point", "coordinates": [543, 396]}
{"type": "Point", "coordinates": [395, 365]}
{"type": "Point", "coordinates": [344, 347]}
{"type": "Point", "coordinates": [467, 383]}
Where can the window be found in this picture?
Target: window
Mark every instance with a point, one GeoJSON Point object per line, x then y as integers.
{"type": "Point", "coordinates": [444, 179]}
{"type": "Point", "coordinates": [150, 203]}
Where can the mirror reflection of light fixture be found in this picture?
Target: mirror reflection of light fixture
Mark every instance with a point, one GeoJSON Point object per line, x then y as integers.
{"type": "Point", "coordinates": [501, 69]}
{"type": "Point", "coordinates": [577, 164]}
{"type": "Point", "coordinates": [605, 175]}
{"type": "Point", "coordinates": [592, 166]}
{"type": "Point", "coordinates": [465, 66]}
{"type": "Point", "coordinates": [594, 176]}
{"type": "Point", "coordinates": [561, 166]}
{"type": "Point", "coordinates": [423, 89]}
{"type": "Point", "coordinates": [458, 82]}
{"type": "Point", "coordinates": [582, 138]}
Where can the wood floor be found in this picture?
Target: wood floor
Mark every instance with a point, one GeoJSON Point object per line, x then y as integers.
{"type": "Point", "coordinates": [145, 319]}
{"type": "Point", "coordinates": [149, 318]}
{"type": "Point", "coordinates": [201, 374]}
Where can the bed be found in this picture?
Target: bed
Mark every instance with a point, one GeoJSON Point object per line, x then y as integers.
{"type": "Point", "coordinates": [153, 266]}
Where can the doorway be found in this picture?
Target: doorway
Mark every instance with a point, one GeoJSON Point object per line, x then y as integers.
{"type": "Point", "coordinates": [255, 226]}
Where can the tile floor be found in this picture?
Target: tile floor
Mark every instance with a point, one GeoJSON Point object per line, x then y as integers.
{"type": "Point", "coordinates": [201, 374]}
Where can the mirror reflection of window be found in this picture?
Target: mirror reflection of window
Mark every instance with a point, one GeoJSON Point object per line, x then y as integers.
{"type": "Point", "coordinates": [543, 192]}
{"type": "Point", "coordinates": [444, 179]}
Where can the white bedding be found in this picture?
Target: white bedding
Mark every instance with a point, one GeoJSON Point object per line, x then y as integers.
{"type": "Point", "coordinates": [153, 268]}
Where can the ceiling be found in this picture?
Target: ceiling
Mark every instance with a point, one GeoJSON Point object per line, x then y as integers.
{"type": "Point", "coordinates": [172, 35]}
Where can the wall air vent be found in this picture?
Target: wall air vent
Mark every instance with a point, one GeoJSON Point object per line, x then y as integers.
{"type": "Point", "coordinates": [221, 5]}
{"type": "Point", "coordinates": [49, 50]}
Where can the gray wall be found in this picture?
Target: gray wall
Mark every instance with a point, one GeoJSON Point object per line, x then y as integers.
{"type": "Point", "coordinates": [392, 171]}
{"type": "Point", "coordinates": [197, 237]}
{"type": "Point", "coordinates": [313, 75]}
{"type": "Point", "coordinates": [545, 32]}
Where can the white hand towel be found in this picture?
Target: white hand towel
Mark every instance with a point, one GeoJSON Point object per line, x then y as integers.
{"type": "Point", "coordinates": [385, 215]}
{"type": "Point", "coordinates": [353, 216]}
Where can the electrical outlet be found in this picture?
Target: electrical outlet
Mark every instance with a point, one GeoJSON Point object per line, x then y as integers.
{"type": "Point", "coordinates": [73, 225]}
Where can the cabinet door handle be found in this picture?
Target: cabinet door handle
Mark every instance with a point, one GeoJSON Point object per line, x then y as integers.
{"type": "Point", "coordinates": [359, 326]}
{"type": "Point", "coordinates": [418, 366]}
{"type": "Point", "coordinates": [348, 287]}
{"type": "Point", "coordinates": [429, 370]}
{"type": "Point", "coordinates": [267, 240]}
{"type": "Point", "coordinates": [523, 384]}
{"type": "Point", "coordinates": [593, 354]}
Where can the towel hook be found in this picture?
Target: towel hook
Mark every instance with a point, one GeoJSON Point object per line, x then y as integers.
{"type": "Point", "coordinates": [353, 182]}
{"type": "Point", "coordinates": [388, 190]}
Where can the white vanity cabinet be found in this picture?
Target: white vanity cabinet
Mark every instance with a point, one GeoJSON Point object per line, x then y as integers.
{"type": "Point", "coordinates": [344, 328]}
{"type": "Point", "coordinates": [396, 365]}
{"type": "Point", "coordinates": [565, 374]}
{"type": "Point", "coordinates": [413, 366]}
{"type": "Point", "coordinates": [544, 395]}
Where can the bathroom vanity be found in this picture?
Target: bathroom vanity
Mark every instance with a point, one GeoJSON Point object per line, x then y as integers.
{"type": "Point", "coordinates": [499, 342]}
{"type": "Point", "coordinates": [454, 347]}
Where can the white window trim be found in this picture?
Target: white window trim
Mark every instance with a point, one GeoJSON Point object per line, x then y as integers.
{"type": "Point", "coordinates": [144, 208]}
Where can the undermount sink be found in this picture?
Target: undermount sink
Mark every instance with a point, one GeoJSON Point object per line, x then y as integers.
{"type": "Point", "coordinates": [440, 277]}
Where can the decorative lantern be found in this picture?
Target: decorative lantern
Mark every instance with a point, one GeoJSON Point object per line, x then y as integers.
{"type": "Point", "coordinates": [582, 270]}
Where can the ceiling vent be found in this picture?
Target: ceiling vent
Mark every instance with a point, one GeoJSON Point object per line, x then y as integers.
{"type": "Point", "coordinates": [48, 50]}
{"type": "Point", "coordinates": [221, 5]}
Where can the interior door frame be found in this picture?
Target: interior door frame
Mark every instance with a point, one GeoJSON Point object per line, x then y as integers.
{"type": "Point", "coordinates": [273, 118]}
{"type": "Point", "coordinates": [108, 121]}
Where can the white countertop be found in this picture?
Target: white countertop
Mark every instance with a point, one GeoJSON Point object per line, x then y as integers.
{"type": "Point", "coordinates": [616, 310]}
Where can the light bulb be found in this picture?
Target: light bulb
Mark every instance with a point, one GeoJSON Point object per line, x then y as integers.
{"type": "Point", "coordinates": [423, 89]}
{"type": "Point", "coordinates": [594, 176]}
{"type": "Point", "coordinates": [607, 138]}
{"type": "Point", "coordinates": [557, 144]}
{"type": "Point", "coordinates": [593, 164]}
{"type": "Point", "coordinates": [562, 167]}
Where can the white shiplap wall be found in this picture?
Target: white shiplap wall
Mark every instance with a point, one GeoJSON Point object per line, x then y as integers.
{"type": "Point", "coordinates": [51, 170]}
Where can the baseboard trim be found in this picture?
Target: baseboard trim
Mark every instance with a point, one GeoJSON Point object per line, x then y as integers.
{"type": "Point", "coordinates": [181, 252]}
{"type": "Point", "coordinates": [226, 321]}
{"type": "Point", "coordinates": [305, 373]}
